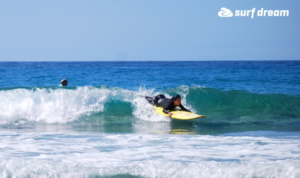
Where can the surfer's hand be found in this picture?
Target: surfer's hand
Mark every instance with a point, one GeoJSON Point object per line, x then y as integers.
{"type": "Point", "coordinates": [170, 114]}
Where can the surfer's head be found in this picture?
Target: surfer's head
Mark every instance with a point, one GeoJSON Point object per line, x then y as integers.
{"type": "Point", "coordinates": [64, 82]}
{"type": "Point", "coordinates": [177, 100]}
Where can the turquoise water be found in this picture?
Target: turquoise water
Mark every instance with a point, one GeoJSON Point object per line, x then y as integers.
{"type": "Point", "coordinates": [101, 125]}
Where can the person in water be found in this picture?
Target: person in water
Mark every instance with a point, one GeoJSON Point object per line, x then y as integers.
{"type": "Point", "coordinates": [64, 82]}
{"type": "Point", "coordinates": [167, 104]}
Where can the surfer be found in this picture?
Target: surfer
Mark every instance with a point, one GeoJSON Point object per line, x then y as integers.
{"type": "Point", "coordinates": [166, 103]}
{"type": "Point", "coordinates": [63, 82]}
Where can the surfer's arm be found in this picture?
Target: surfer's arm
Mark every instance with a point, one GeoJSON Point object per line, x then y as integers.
{"type": "Point", "coordinates": [183, 108]}
{"type": "Point", "coordinates": [168, 106]}
{"type": "Point", "coordinates": [166, 111]}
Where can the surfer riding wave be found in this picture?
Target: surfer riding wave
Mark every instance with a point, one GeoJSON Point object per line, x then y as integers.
{"type": "Point", "coordinates": [166, 103]}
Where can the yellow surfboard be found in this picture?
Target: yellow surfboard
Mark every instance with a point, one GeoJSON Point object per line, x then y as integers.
{"type": "Point", "coordinates": [178, 114]}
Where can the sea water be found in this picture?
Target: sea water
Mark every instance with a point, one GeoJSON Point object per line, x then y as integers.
{"type": "Point", "coordinates": [101, 125]}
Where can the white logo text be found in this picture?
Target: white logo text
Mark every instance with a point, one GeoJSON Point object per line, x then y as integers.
{"type": "Point", "coordinates": [224, 12]}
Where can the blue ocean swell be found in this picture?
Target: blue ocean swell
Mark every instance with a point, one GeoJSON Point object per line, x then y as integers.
{"type": "Point", "coordinates": [253, 76]}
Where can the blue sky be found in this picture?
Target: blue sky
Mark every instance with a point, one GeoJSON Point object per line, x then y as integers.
{"type": "Point", "coordinates": [140, 30]}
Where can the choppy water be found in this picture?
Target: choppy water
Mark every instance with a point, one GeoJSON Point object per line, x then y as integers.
{"type": "Point", "coordinates": [101, 125]}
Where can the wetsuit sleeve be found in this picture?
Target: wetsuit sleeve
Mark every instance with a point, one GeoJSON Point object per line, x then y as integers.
{"type": "Point", "coordinates": [183, 108]}
{"type": "Point", "coordinates": [168, 106]}
{"type": "Point", "coordinates": [165, 111]}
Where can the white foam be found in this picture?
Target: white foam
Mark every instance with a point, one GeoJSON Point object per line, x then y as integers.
{"type": "Point", "coordinates": [144, 110]}
{"type": "Point", "coordinates": [51, 105]}
{"type": "Point", "coordinates": [85, 155]}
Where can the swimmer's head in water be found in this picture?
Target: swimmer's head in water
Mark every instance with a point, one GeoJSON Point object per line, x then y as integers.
{"type": "Point", "coordinates": [64, 82]}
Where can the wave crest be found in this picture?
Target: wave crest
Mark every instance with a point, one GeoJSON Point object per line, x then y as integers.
{"type": "Point", "coordinates": [62, 105]}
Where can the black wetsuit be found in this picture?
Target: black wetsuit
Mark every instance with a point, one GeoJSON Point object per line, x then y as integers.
{"type": "Point", "coordinates": [168, 104]}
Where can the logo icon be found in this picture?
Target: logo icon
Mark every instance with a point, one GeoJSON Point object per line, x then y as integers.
{"type": "Point", "coordinates": [225, 12]}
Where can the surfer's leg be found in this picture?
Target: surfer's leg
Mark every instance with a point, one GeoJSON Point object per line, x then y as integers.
{"type": "Point", "coordinates": [150, 100]}
{"type": "Point", "coordinates": [158, 97]}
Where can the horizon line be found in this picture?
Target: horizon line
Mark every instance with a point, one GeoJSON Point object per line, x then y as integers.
{"type": "Point", "coordinates": [166, 60]}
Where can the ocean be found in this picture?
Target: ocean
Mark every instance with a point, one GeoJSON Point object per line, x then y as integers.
{"type": "Point", "coordinates": [101, 126]}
